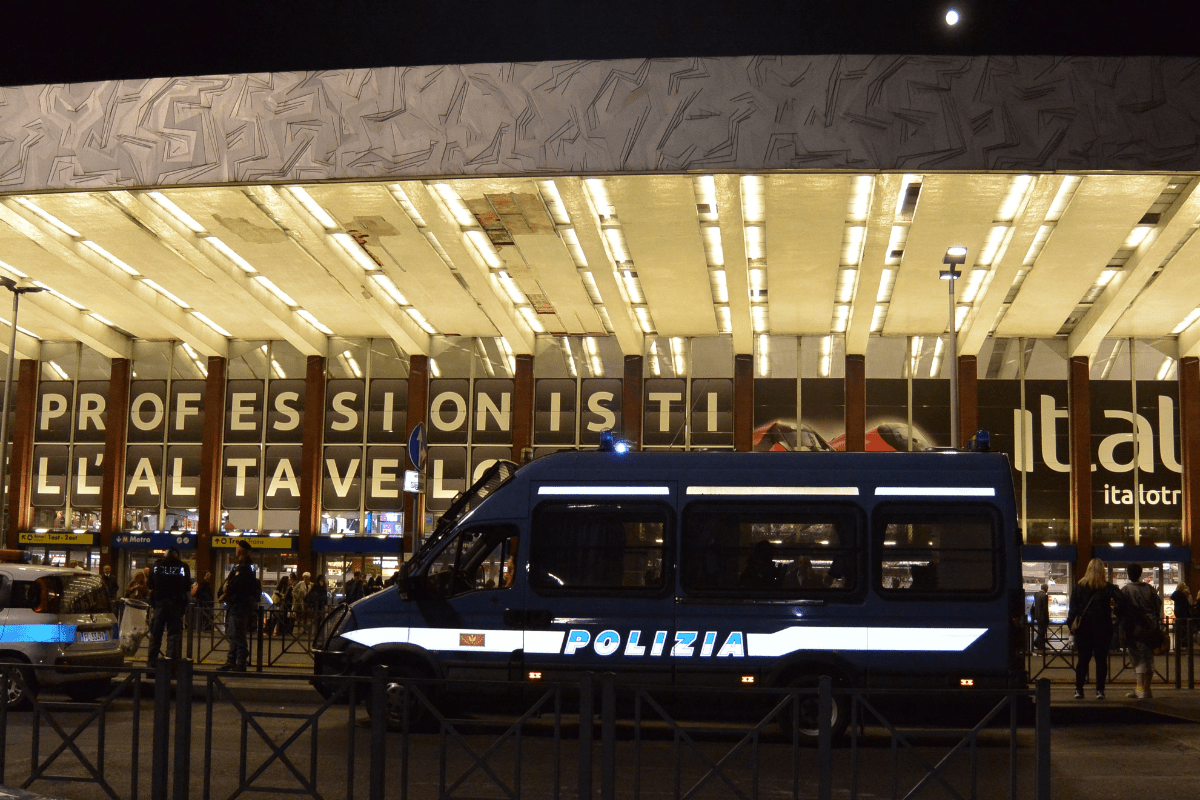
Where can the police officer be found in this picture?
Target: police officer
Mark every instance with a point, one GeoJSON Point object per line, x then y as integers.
{"type": "Point", "coordinates": [241, 595]}
{"type": "Point", "coordinates": [170, 582]}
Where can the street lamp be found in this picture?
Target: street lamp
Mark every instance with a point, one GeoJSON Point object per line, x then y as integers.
{"type": "Point", "coordinates": [11, 285]}
{"type": "Point", "coordinates": [955, 257]}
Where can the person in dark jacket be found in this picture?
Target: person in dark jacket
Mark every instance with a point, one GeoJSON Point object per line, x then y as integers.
{"type": "Point", "coordinates": [242, 594]}
{"type": "Point", "coordinates": [1092, 602]}
{"type": "Point", "coordinates": [317, 598]}
{"type": "Point", "coordinates": [355, 588]}
{"type": "Point", "coordinates": [202, 596]}
{"type": "Point", "coordinates": [1182, 598]}
{"type": "Point", "coordinates": [170, 584]}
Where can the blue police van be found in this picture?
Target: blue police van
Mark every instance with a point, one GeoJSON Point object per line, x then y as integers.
{"type": "Point", "coordinates": [715, 569]}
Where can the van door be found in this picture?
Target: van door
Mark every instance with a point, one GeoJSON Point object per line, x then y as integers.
{"type": "Point", "coordinates": [600, 588]}
{"type": "Point", "coordinates": [460, 603]}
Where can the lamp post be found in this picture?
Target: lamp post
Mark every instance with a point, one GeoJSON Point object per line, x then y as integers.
{"type": "Point", "coordinates": [955, 257]}
{"type": "Point", "coordinates": [11, 285]}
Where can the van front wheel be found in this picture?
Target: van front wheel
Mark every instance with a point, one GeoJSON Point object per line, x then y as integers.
{"type": "Point", "coordinates": [400, 703]}
{"type": "Point", "coordinates": [806, 715]}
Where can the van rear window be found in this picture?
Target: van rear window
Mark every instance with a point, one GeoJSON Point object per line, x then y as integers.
{"type": "Point", "coordinates": [598, 547]}
{"type": "Point", "coordinates": [58, 594]}
{"type": "Point", "coordinates": [785, 551]}
{"type": "Point", "coordinates": [937, 550]}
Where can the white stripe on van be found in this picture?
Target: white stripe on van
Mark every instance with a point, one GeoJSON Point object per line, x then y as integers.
{"type": "Point", "coordinates": [851, 491]}
{"type": "Point", "coordinates": [818, 637]}
{"type": "Point", "coordinates": [604, 490]}
{"type": "Point", "coordinates": [760, 645]}
{"type": "Point", "coordinates": [934, 491]}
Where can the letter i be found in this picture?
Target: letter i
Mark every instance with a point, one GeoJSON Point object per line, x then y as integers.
{"type": "Point", "coordinates": [660, 639]}
{"type": "Point", "coordinates": [710, 639]}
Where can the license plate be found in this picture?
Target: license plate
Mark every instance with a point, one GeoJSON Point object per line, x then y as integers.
{"type": "Point", "coordinates": [93, 636]}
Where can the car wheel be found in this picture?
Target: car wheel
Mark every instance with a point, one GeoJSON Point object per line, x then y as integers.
{"type": "Point", "coordinates": [87, 691]}
{"type": "Point", "coordinates": [400, 702]}
{"type": "Point", "coordinates": [808, 706]}
{"type": "Point", "coordinates": [20, 697]}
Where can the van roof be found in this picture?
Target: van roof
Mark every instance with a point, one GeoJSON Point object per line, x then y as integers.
{"type": "Point", "coordinates": [923, 468]}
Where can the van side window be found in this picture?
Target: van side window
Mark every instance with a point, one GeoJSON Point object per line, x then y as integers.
{"type": "Point", "coordinates": [475, 559]}
{"type": "Point", "coordinates": [936, 550]}
{"type": "Point", "coordinates": [783, 551]}
{"type": "Point", "coordinates": [599, 546]}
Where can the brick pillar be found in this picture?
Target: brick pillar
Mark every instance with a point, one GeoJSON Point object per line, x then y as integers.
{"type": "Point", "coordinates": [209, 522]}
{"type": "Point", "coordinates": [522, 426]}
{"type": "Point", "coordinates": [20, 463]}
{"type": "Point", "coordinates": [631, 402]}
{"type": "Point", "coordinates": [856, 403]}
{"type": "Point", "coordinates": [310, 460]}
{"type": "Point", "coordinates": [1189, 441]}
{"type": "Point", "coordinates": [418, 413]}
{"type": "Point", "coordinates": [1079, 411]}
{"type": "Point", "coordinates": [743, 402]}
{"type": "Point", "coordinates": [112, 491]}
{"type": "Point", "coordinates": [968, 399]}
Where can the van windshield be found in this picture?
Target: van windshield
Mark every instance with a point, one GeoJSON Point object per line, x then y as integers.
{"type": "Point", "coordinates": [496, 476]}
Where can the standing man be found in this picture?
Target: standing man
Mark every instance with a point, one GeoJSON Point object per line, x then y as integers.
{"type": "Point", "coordinates": [299, 593]}
{"type": "Point", "coordinates": [355, 588]}
{"type": "Point", "coordinates": [1141, 629]}
{"type": "Point", "coordinates": [170, 584]}
{"type": "Point", "coordinates": [1041, 616]}
{"type": "Point", "coordinates": [110, 583]}
{"type": "Point", "coordinates": [241, 595]}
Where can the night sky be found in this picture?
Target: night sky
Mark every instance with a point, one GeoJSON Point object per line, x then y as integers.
{"type": "Point", "coordinates": [55, 41]}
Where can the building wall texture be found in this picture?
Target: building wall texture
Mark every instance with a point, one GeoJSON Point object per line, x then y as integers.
{"type": "Point", "coordinates": [857, 113]}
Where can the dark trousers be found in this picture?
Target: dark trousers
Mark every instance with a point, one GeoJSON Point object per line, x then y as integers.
{"type": "Point", "coordinates": [168, 616]}
{"type": "Point", "coordinates": [1039, 641]}
{"type": "Point", "coordinates": [238, 622]}
{"type": "Point", "coordinates": [1087, 650]}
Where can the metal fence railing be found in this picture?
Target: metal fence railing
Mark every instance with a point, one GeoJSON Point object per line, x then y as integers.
{"type": "Point", "coordinates": [211, 735]}
{"type": "Point", "coordinates": [1175, 664]}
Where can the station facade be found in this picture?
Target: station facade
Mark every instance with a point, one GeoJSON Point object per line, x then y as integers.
{"type": "Point", "coordinates": [124, 443]}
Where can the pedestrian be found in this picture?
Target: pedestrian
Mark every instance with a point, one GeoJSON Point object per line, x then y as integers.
{"type": "Point", "coordinates": [317, 598]}
{"type": "Point", "coordinates": [170, 583]}
{"type": "Point", "coordinates": [1182, 598]}
{"type": "Point", "coordinates": [355, 589]}
{"type": "Point", "coordinates": [241, 595]}
{"type": "Point", "coordinates": [299, 595]}
{"type": "Point", "coordinates": [1041, 616]}
{"type": "Point", "coordinates": [137, 588]}
{"type": "Point", "coordinates": [1091, 604]}
{"type": "Point", "coordinates": [110, 583]}
{"type": "Point", "coordinates": [281, 604]}
{"type": "Point", "coordinates": [1141, 629]}
{"type": "Point", "coordinates": [202, 596]}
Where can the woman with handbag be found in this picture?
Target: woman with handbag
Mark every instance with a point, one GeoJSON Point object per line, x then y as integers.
{"type": "Point", "coordinates": [1089, 619]}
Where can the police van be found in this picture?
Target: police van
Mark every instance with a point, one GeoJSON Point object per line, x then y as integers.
{"type": "Point", "coordinates": [51, 618]}
{"type": "Point", "coordinates": [716, 569]}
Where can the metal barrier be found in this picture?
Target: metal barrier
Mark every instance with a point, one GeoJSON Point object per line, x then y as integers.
{"type": "Point", "coordinates": [1058, 653]}
{"type": "Point", "coordinates": [242, 744]}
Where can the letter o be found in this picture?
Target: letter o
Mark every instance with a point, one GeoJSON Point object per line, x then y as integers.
{"type": "Point", "coordinates": [607, 643]}
{"type": "Point", "coordinates": [1153, 497]}
{"type": "Point", "coordinates": [460, 411]}
{"type": "Point", "coordinates": [135, 412]}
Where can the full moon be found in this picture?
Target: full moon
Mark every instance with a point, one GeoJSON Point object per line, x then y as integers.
{"type": "Point", "coordinates": [952, 17]}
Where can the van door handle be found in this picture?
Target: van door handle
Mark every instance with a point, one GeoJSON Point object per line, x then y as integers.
{"type": "Point", "coordinates": [522, 618]}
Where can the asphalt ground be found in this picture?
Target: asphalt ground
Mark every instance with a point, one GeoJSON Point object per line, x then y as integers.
{"type": "Point", "coordinates": [1100, 749]}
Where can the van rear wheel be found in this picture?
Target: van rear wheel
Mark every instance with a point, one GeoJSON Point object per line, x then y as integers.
{"type": "Point", "coordinates": [806, 717]}
{"type": "Point", "coordinates": [20, 694]}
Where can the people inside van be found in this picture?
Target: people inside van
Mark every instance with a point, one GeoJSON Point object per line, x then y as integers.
{"type": "Point", "coordinates": [761, 571]}
{"type": "Point", "coordinates": [1092, 603]}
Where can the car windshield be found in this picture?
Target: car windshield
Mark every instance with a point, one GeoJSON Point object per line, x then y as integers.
{"type": "Point", "coordinates": [83, 594]}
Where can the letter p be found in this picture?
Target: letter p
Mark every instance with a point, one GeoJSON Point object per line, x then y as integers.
{"type": "Point", "coordinates": [575, 640]}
